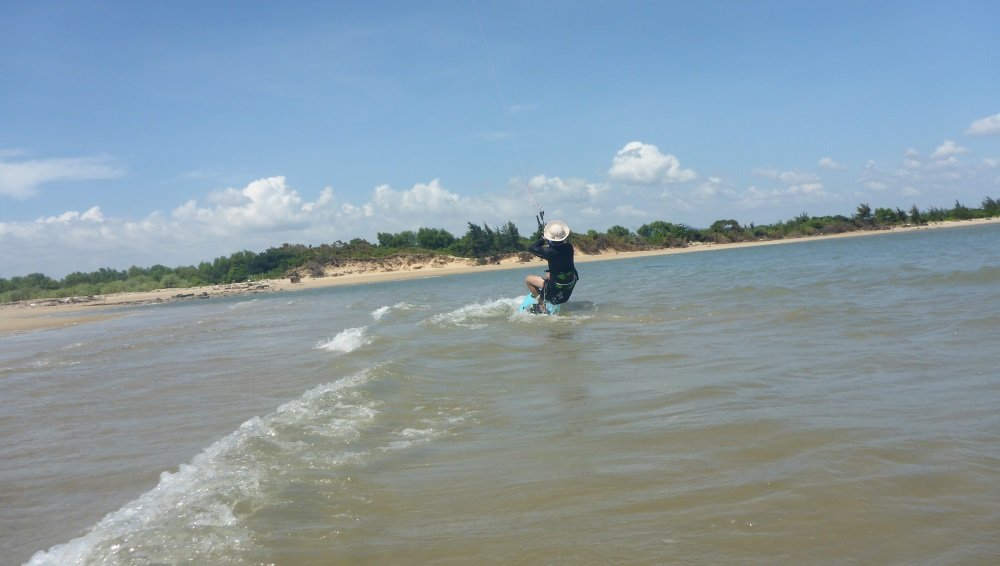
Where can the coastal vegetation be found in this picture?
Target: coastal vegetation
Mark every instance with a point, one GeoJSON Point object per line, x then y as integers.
{"type": "Point", "coordinates": [480, 243]}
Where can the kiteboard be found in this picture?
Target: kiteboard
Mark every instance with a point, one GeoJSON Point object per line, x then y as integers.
{"type": "Point", "coordinates": [530, 301]}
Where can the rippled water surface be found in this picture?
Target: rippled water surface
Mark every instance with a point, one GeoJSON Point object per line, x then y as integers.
{"type": "Point", "coordinates": [820, 402]}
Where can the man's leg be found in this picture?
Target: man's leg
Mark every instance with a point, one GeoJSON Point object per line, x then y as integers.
{"type": "Point", "coordinates": [534, 283]}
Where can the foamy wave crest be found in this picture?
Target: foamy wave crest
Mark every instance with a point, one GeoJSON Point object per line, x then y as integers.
{"type": "Point", "coordinates": [411, 436]}
{"type": "Point", "coordinates": [198, 514]}
{"type": "Point", "coordinates": [346, 341]}
{"type": "Point", "coordinates": [242, 304]}
{"type": "Point", "coordinates": [476, 315]}
{"type": "Point", "coordinates": [380, 312]}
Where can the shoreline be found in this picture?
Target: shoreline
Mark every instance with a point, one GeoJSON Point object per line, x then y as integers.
{"type": "Point", "coordinates": [44, 314]}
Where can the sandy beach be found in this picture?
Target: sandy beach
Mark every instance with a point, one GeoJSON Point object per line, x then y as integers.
{"type": "Point", "coordinates": [43, 314]}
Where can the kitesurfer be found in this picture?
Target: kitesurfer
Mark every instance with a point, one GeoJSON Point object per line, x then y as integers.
{"type": "Point", "coordinates": [561, 277]}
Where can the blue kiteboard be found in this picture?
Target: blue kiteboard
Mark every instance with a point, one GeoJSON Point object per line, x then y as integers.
{"type": "Point", "coordinates": [529, 302]}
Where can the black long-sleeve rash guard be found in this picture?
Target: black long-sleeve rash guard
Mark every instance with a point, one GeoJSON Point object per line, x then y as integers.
{"type": "Point", "coordinates": [562, 271]}
{"type": "Point", "coordinates": [559, 256]}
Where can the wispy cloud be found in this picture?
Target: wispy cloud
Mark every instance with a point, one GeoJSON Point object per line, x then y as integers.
{"type": "Point", "coordinates": [21, 179]}
{"type": "Point", "coordinates": [790, 178]}
{"type": "Point", "coordinates": [515, 109]}
{"type": "Point", "coordinates": [830, 164]}
{"type": "Point", "coordinates": [494, 136]}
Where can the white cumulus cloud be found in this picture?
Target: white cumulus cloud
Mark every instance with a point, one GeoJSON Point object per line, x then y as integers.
{"type": "Point", "coordinates": [266, 212]}
{"type": "Point", "coordinates": [264, 204]}
{"type": "Point", "coordinates": [948, 149]}
{"type": "Point", "coordinates": [798, 187]}
{"type": "Point", "coordinates": [557, 190]}
{"type": "Point", "coordinates": [93, 214]}
{"type": "Point", "coordinates": [714, 187]}
{"type": "Point", "coordinates": [423, 197]}
{"type": "Point", "coordinates": [989, 126]}
{"type": "Point", "coordinates": [644, 164]}
{"type": "Point", "coordinates": [911, 159]}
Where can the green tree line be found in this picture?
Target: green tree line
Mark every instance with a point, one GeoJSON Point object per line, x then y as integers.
{"type": "Point", "coordinates": [479, 242]}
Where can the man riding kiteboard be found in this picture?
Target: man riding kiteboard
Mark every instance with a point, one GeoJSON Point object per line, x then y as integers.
{"type": "Point", "coordinates": [561, 277]}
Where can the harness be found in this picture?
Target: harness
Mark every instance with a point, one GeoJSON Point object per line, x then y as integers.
{"type": "Point", "coordinates": [557, 293]}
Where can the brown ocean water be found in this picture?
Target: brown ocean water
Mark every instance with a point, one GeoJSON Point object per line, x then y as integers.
{"type": "Point", "coordinates": [825, 402]}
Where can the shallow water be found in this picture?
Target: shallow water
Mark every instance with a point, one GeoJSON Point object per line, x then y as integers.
{"type": "Point", "coordinates": [825, 402]}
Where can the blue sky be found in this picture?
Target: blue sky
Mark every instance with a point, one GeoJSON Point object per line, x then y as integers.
{"type": "Point", "coordinates": [135, 133]}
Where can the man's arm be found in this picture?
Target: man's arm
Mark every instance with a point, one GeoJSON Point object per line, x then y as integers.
{"type": "Point", "coordinates": [540, 249]}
